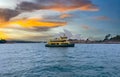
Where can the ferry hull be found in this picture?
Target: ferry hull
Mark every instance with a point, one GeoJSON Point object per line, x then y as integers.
{"type": "Point", "coordinates": [69, 45]}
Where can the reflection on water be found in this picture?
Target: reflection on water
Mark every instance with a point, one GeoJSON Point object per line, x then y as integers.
{"type": "Point", "coordinates": [83, 60]}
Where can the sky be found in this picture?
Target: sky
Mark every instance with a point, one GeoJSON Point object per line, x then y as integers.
{"type": "Point", "coordinates": [36, 20]}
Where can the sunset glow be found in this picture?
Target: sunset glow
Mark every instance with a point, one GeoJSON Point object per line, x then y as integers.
{"type": "Point", "coordinates": [3, 35]}
{"type": "Point", "coordinates": [28, 19]}
{"type": "Point", "coordinates": [36, 23]}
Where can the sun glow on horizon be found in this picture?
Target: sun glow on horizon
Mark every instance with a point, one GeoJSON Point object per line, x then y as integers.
{"type": "Point", "coordinates": [3, 35]}
{"type": "Point", "coordinates": [25, 24]}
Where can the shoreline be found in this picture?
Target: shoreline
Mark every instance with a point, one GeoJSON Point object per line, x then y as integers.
{"type": "Point", "coordinates": [74, 43]}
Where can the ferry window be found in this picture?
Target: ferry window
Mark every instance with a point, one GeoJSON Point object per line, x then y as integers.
{"type": "Point", "coordinates": [52, 44]}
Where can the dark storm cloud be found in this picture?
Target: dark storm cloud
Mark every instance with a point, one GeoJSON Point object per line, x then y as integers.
{"type": "Point", "coordinates": [6, 14]}
{"type": "Point", "coordinates": [27, 6]}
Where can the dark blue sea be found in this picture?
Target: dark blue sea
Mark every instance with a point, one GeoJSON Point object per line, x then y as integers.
{"type": "Point", "coordinates": [83, 60]}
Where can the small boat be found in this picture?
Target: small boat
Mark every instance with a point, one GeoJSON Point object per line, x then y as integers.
{"type": "Point", "coordinates": [59, 42]}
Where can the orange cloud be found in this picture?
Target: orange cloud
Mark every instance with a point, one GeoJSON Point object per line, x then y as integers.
{"type": "Point", "coordinates": [3, 23]}
{"type": "Point", "coordinates": [74, 5]}
{"type": "Point", "coordinates": [72, 8]}
{"type": "Point", "coordinates": [86, 27]}
{"type": "Point", "coordinates": [88, 7]}
{"type": "Point", "coordinates": [34, 22]}
{"type": "Point", "coordinates": [65, 16]}
{"type": "Point", "coordinates": [26, 25]}
{"type": "Point", "coordinates": [90, 28]}
{"type": "Point", "coordinates": [59, 5]}
{"type": "Point", "coordinates": [102, 18]}
{"type": "Point", "coordinates": [37, 23]}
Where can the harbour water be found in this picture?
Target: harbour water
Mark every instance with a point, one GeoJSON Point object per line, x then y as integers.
{"type": "Point", "coordinates": [83, 60]}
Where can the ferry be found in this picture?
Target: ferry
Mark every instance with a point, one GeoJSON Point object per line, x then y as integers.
{"type": "Point", "coordinates": [59, 42]}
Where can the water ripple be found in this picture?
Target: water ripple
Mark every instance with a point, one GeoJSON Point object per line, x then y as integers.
{"type": "Point", "coordinates": [35, 60]}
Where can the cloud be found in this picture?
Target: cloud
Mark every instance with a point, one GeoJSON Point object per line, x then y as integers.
{"type": "Point", "coordinates": [33, 24]}
{"type": "Point", "coordinates": [27, 16]}
{"type": "Point", "coordinates": [89, 29]}
{"type": "Point", "coordinates": [13, 8]}
{"type": "Point", "coordinates": [62, 16]}
{"type": "Point", "coordinates": [69, 5]}
{"type": "Point", "coordinates": [37, 23]}
{"type": "Point", "coordinates": [11, 4]}
{"type": "Point", "coordinates": [19, 29]}
{"type": "Point", "coordinates": [8, 4]}
{"type": "Point", "coordinates": [36, 19]}
{"type": "Point", "coordinates": [10, 9]}
{"type": "Point", "coordinates": [64, 7]}
{"type": "Point", "coordinates": [6, 14]}
{"type": "Point", "coordinates": [101, 18]}
{"type": "Point", "coordinates": [58, 5]}
{"type": "Point", "coordinates": [40, 14]}
{"type": "Point", "coordinates": [27, 24]}
{"type": "Point", "coordinates": [19, 34]}
{"type": "Point", "coordinates": [86, 27]}
{"type": "Point", "coordinates": [89, 7]}
{"type": "Point", "coordinates": [28, 6]}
